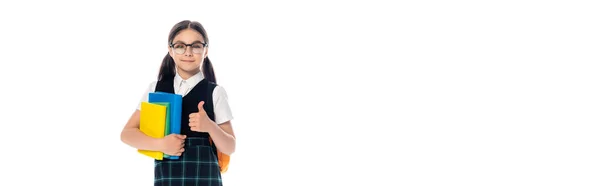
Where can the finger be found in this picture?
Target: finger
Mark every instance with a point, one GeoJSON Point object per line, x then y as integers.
{"type": "Point", "coordinates": [181, 150]}
{"type": "Point", "coordinates": [193, 115]}
{"type": "Point", "coordinates": [201, 106]}
{"type": "Point", "coordinates": [180, 136]}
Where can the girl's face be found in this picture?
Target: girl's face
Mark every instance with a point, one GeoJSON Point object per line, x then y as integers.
{"type": "Point", "coordinates": [188, 51]}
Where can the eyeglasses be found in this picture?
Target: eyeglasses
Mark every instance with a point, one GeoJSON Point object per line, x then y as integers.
{"type": "Point", "coordinates": [180, 48]}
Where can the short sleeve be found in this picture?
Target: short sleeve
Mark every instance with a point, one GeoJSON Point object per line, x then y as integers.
{"type": "Point", "coordinates": [221, 105]}
{"type": "Point", "coordinates": [144, 98]}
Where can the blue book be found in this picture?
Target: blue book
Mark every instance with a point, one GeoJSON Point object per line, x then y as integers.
{"type": "Point", "coordinates": [175, 101]}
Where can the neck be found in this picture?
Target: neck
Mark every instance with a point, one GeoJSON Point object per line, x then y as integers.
{"type": "Point", "coordinates": [187, 74]}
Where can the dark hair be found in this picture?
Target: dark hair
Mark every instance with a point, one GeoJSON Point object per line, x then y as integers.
{"type": "Point", "coordinates": [167, 68]}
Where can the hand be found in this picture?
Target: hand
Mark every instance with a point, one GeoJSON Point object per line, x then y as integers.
{"type": "Point", "coordinates": [172, 144]}
{"type": "Point", "coordinates": [199, 121]}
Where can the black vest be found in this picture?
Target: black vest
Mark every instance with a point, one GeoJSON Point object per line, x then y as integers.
{"type": "Point", "coordinates": [201, 92]}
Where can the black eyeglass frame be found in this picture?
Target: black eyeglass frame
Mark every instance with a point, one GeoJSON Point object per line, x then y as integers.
{"type": "Point", "coordinates": [187, 45]}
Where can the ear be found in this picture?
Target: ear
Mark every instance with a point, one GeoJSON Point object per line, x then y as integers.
{"type": "Point", "coordinates": [170, 51]}
{"type": "Point", "coordinates": [206, 52]}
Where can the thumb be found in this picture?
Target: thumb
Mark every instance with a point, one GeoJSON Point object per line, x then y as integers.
{"type": "Point", "coordinates": [200, 106]}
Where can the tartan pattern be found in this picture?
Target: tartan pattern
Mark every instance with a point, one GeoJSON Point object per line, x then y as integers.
{"type": "Point", "coordinates": [197, 166]}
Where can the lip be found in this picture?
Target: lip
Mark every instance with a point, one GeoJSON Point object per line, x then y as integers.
{"type": "Point", "coordinates": [189, 61]}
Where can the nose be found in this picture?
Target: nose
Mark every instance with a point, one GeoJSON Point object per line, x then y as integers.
{"type": "Point", "coordinates": [188, 51]}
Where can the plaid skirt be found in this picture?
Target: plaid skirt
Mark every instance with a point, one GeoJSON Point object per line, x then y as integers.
{"type": "Point", "coordinates": [197, 166]}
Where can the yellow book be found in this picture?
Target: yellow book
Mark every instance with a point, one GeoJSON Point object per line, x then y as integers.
{"type": "Point", "coordinates": [153, 119]}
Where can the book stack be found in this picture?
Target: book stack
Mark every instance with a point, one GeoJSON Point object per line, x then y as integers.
{"type": "Point", "coordinates": [159, 117]}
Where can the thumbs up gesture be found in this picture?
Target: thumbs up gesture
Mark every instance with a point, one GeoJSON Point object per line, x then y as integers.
{"type": "Point", "coordinates": [199, 121]}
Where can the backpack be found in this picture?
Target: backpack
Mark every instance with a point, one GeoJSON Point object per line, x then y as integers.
{"type": "Point", "coordinates": [222, 158]}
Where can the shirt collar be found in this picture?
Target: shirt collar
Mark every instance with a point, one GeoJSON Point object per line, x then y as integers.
{"type": "Point", "coordinates": [192, 81]}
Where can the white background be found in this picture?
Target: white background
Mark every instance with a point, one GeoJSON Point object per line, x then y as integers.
{"type": "Point", "coordinates": [323, 92]}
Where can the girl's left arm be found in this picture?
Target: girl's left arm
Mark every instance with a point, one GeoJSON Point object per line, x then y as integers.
{"type": "Point", "coordinates": [223, 137]}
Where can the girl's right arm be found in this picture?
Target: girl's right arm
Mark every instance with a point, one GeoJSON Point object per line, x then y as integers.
{"type": "Point", "coordinates": [132, 136]}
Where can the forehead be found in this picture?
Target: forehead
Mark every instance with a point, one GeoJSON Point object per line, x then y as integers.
{"type": "Point", "coordinates": [188, 36]}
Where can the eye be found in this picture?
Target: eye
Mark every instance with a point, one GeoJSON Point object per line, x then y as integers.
{"type": "Point", "coordinates": [197, 46]}
{"type": "Point", "coordinates": [179, 46]}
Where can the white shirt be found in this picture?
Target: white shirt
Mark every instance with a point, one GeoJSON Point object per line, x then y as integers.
{"type": "Point", "coordinates": [182, 87]}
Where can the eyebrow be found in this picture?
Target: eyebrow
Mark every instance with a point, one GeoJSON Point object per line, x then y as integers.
{"type": "Point", "coordinates": [197, 41]}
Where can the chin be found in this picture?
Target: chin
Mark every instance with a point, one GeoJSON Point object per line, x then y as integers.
{"type": "Point", "coordinates": [189, 68]}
